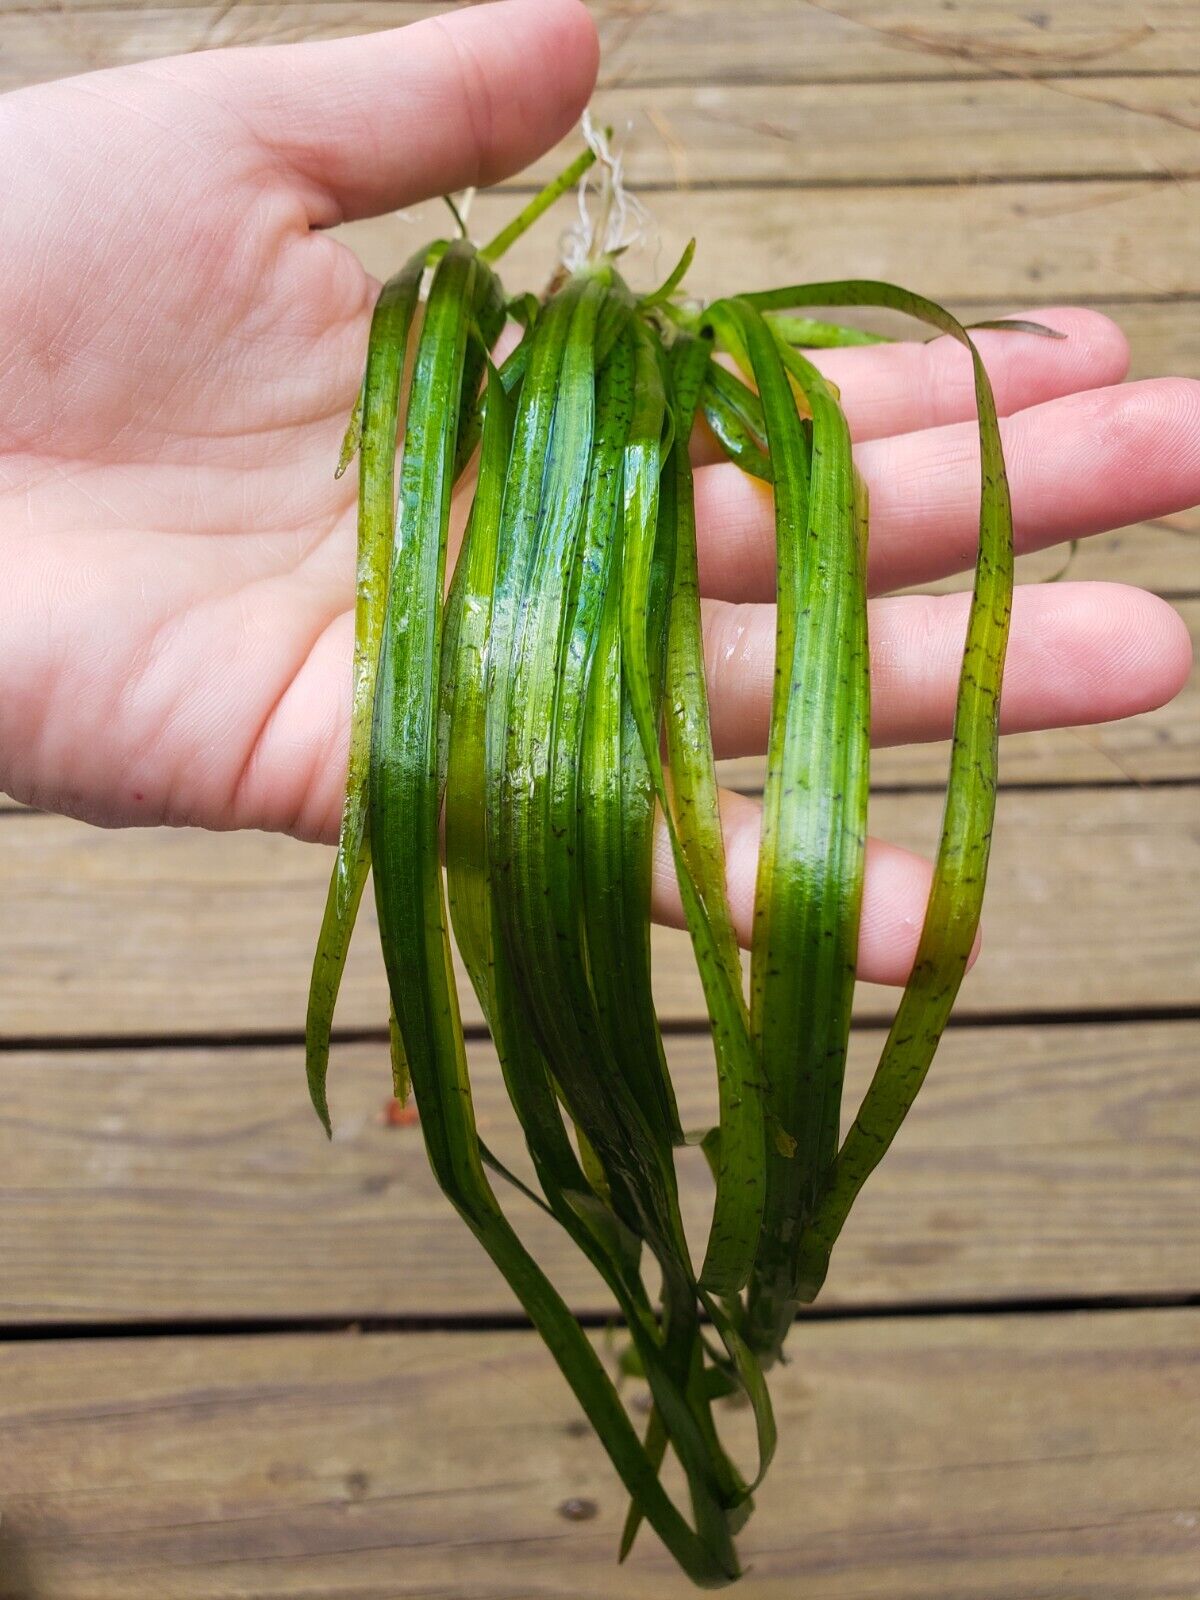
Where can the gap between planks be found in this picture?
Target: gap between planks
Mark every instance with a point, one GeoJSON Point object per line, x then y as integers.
{"type": "Point", "coordinates": [139, 933]}
{"type": "Point", "coordinates": [970, 1457]}
{"type": "Point", "coordinates": [598, 1321]}
{"type": "Point", "coordinates": [476, 1033]}
{"type": "Point", "coordinates": [1045, 1165]}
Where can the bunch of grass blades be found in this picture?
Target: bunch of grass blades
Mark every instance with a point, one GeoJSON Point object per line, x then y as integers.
{"type": "Point", "coordinates": [526, 721]}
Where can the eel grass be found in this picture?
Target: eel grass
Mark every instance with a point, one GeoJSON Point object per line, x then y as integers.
{"type": "Point", "coordinates": [523, 724]}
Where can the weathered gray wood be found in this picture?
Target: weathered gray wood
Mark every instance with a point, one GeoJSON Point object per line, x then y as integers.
{"type": "Point", "coordinates": [1007, 241]}
{"type": "Point", "coordinates": [143, 1185]}
{"type": "Point", "coordinates": [721, 133]}
{"type": "Point", "coordinates": [956, 1459]}
{"type": "Point", "coordinates": [936, 132]}
{"type": "Point", "coordinates": [675, 41]}
{"type": "Point", "coordinates": [166, 933]}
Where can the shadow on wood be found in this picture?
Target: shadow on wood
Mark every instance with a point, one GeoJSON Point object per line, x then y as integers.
{"type": "Point", "coordinates": [16, 1575]}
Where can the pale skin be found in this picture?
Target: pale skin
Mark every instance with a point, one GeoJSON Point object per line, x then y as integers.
{"type": "Point", "coordinates": [180, 345]}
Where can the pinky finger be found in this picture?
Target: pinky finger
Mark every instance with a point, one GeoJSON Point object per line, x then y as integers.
{"type": "Point", "coordinates": [895, 889]}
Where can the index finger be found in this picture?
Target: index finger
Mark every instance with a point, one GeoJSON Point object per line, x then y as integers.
{"type": "Point", "coordinates": [911, 385]}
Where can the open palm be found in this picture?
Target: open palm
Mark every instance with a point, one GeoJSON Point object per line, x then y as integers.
{"type": "Point", "coordinates": [182, 344]}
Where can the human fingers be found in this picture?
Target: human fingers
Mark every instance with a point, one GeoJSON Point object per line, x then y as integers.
{"type": "Point", "coordinates": [1078, 653]}
{"type": "Point", "coordinates": [1077, 466]}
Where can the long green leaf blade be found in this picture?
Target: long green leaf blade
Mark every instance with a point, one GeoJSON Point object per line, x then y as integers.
{"type": "Point", "coordinates": [960, 871]}
{"type": "Point", "coordinates": [814, 804]}
{"type": "Point", "coordinates": [404, 795]}
{"type": "Point", "coordinates": [373, 425]}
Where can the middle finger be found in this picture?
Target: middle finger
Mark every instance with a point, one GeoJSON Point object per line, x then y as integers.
{"type": "Point", "coordinates": [901, 387]}
{"type": "Point", "coordinates": [1079, 653]}
{"type": "Point", "coordinates": [1076, 466]}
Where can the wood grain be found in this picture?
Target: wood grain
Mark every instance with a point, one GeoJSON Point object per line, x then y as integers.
{"type": "Point", "coordinates": [733, 133]}
{"type": "Point", "coordinates": [728, 134]}
{"type": "Point", "coordinates": [661, 42]}
{"type": "Point", "coordinates": [180, 933]}
{"type": "Point", "coordinates": [140, 1185]}
{"type": "Point", "coordinates": [1006, 241]}
{"type": "Point", "coordinates": [954, 1459]}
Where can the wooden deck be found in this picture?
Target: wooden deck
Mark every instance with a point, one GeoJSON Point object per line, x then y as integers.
{"type": "Point", "coordinates": [238, 1362]}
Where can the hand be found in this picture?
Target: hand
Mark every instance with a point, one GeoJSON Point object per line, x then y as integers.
{"type": "Point", "coordinates": [181, 347]}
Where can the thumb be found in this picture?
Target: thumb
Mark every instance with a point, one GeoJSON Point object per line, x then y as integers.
{"type": "Point", "coordinates": [376, 122]}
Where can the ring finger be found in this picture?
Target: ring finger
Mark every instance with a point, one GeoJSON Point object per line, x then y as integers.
{"type": "Point", "coordinates": [1079, 653]}
{"type": "Point", "coordinates": [1077, 466]}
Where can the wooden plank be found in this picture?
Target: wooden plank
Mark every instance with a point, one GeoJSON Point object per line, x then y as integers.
{"type": "Point", "coordinates": [728, 134]}
{"type": "Point", "coordinates": [1162, 746]}
{"type": "Point", "coordinates": [1084, 908]}
{"type": "Point", "coordinates": [685, 40]}
{"type": "Point", "coordinates": [673, 41]}
{"type": "Point", "coordinates": [182, 933]}
{"type": "Point", "coordinates": [954, 1459]}
{"type": "Point", "coordinates": [1047, 1163]}
{"type": "Point", "coordinates": [1010, 241]}
{"type": "Point", "coordinates": [724, 133]}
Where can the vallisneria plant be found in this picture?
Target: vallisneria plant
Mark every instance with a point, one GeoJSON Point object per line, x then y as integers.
{"type": "Point", "coordinates": [526, 722]}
